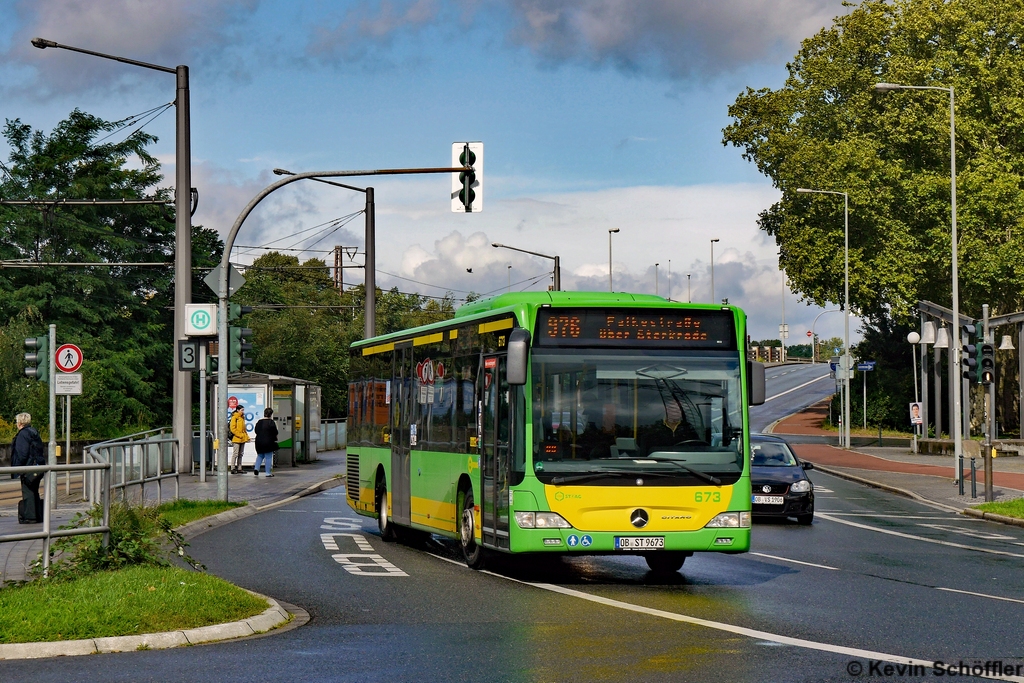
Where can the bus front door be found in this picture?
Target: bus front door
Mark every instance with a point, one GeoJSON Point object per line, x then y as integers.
{"type": "Point", "coordinates": [401, 434]}
{"type": "Point", "coordinates": [493, 404]}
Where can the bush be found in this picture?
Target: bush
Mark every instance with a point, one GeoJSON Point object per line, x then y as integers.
{"type": "Point", "coordinates": [138, 536]}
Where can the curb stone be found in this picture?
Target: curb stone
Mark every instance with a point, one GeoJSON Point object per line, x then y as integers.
{"type": "Point", "coordinates": [274, 617]}
{"type": "Point", "coordinates": [885, 487]}
{"type": "Point", "coordinates": [271, 618]}
{"type": "Point", "coordinates": [993, 517]}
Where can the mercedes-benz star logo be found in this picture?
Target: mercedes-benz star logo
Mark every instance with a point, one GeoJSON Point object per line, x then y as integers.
{"type": "Point", "coordinates": [766, 488]}
{"type": "Point", "coordinates": [638, 518]}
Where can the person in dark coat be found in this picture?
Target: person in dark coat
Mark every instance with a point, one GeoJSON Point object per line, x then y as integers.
{"type": "Point", "coordinates": [266, 442]}
{"type": "Point", "coordinates": [27, 449]}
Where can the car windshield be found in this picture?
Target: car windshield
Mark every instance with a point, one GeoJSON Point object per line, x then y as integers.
{"type": "Point", "coordinates": [769, 454]}
{"type": "Point", "coordinates": [666, 414]}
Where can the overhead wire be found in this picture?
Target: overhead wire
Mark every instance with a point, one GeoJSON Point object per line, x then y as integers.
{"type": "Point", "coordinates": [130, 121]}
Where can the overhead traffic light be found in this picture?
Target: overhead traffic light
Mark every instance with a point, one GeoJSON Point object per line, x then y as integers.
{"type": "Point", "coordinates": [988, 364]}
{"type": "Point", "coordinates": [37, 358]}
{"type": "Point", "coordinates": [969, 354]}
{"type": "Point", "coordinates": [237, 348]}
{"type": "Point", "coordinates": [467, 186]}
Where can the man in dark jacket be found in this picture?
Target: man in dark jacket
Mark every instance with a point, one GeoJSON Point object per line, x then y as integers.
{"type": "Point", "coordinates": [27, 449]}
{"type": "Point", "coordinates": [266, 442]}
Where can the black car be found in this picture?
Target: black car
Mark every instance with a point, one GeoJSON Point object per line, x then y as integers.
{"type": "Point", "coordinates": [778, 483]}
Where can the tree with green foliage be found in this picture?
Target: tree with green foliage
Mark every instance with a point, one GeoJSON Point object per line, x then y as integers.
{"type": "Point", "coordinates": [827, 128]}
{"type": "Point", "coordinates": [121, 317]}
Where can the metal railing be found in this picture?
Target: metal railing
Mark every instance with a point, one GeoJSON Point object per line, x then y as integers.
{"type": "Point", "coordinates": [99, 471]}
{"type": "Point", "coordinates": [135, 460]}
{"type": "Point", "coordinates": [333, 434]}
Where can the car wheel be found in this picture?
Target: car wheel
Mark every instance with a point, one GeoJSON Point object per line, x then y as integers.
{"type": "Point", "coordinates": [805, 520]}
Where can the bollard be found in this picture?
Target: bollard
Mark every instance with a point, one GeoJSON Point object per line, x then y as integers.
{"type": "Point", "coordinates": [960, 474]}
{"type": "Point", "coordinates": [879, 436]}
{"type": "Point", "coordinates": [974, 479]}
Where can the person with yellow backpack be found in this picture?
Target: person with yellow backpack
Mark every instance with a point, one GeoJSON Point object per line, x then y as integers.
{"type": "Point", "coordinates": [239, 437]}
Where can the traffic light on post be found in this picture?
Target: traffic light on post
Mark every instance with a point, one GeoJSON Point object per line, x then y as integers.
{"type": "Point", "coordinates": [37, 358]}
{"type": "Point", "coordinates": [467, 186]}
{"type": "Point", "coordinates": [988, 364]}
{"type": "Point", "coordinates": [237, 348]}
{"type": "Point", "coordinates": [236, 311]}
{"type": "Point", "coordinates": [969, 354]}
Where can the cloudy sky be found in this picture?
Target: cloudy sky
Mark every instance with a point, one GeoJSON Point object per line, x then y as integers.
{"type": "Point", "coordinates": [594, 115]}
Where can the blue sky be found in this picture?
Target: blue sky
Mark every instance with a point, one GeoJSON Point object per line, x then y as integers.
{"type": "Point", "coordinates": [594, 115]}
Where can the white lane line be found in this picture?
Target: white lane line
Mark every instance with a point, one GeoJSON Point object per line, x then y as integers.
{"type": "Point", "coordinates": [876, 514]}
{"type": "Point", "coordinates": [983, 535]}
{"type": "Point", "coordinates": [771, 638]}
{"type": "Point", "coordinates": [789, 391]}
{"type": "Point", "coordinates": [741, 630]}
{"type": "Point", "coordinates": [786, 559]}
{"type": "Point", "coordinates": [918, 538]}
{"type": "Point", "coordinates": [980, 595]}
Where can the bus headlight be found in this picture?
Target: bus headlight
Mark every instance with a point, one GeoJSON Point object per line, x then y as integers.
{"type": "Point", "coordinates": [541, 520]}
{"type": "Point", "coordinates": [802, 486]}
{"type": "Point", "coordinates": [730, 520]}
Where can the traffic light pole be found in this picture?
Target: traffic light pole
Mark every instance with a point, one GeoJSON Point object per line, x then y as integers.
{"type": "Point", "coordinates": [990, 401]}
{"type": "Point", "coordinates": [51, 488]}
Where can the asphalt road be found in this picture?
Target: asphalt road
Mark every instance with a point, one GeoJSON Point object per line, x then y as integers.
{"type": "Point", "coordinates": [876, 573]}
{"type": "Point", "coordinates": [788, 389]}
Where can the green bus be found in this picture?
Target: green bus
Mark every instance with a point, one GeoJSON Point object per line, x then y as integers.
{"type": "Point", "coordinates": [559, 422]}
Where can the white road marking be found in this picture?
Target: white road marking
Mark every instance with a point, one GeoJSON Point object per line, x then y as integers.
{"type": "Point", "coordinates": [969, 532]}
{"type": "Point", "coordinates": [917, 538]}
{"type": "Point", "coordinates": [980, 595]}
{"type": "Point", "coordinates": [363, 563]}
{"type": "Point", "coordinates": [789, 391]}
{"type": "Point", "coordinates": [786, 559]}
{"type": "Point", "coordinates": [822, 489]}
{"type": "Point", "coordinates": [877, 514]}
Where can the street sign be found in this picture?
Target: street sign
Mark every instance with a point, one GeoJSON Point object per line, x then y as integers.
{"type": "Point", "coordinates": [68, 358]}
{"type": "Point", "coordinates": [866, 366]}
{"type": "Point", "coordinates": [200, 320]}
{"type": "Point", "coordinates": [235, 280]}
{"type": "Point", "coordinates": [188, 355]}
{"type": "Point", "coordinates": [809, 333]}
{"type": "Point", "coordinates": [68, 384]}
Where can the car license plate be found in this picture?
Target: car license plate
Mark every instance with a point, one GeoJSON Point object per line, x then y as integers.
{"type": "Point", "coordinates": [639, 542]}
{"type": "Point", "coordinates": [768, 500]}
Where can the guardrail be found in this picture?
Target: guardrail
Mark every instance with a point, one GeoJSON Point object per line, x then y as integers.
{"type": "Point", "coordinates": [333, 434]}
{"type": "Point", "coordinates": [135, 460]}
{"type": "Point", "coordinates": [49, 475]}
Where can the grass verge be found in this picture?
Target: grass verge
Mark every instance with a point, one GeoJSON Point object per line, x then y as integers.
{"type": "Point", "coordinates": [1010, 508]}
{"type": "Point", "coordinates": [183, 511]}
{"type": "Point", "coordinates": [131, 601]}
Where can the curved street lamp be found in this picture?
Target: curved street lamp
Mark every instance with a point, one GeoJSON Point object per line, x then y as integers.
{"type": "Point", "coordinates": [558, 266]}
{"type": "Point", "coordinates": [814, 348]}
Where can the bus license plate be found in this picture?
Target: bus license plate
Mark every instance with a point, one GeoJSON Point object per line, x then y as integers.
{"type": "Point", "coordinates": [639, 542]}
{"type": "Point", "coordinates": [768, 500]}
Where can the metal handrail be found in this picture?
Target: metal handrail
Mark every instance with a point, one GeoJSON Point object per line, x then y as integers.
{"type": "Point", "coordinates": [137, 459]}
{"type": "Point", "coordinates": [47, 534]}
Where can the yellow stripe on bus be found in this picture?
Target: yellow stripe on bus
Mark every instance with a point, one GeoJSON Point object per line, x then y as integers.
{"type": "Point", "coordinates": [428, 339]}
{"type": "Point", "coordinates": [380, 348]}
{"type": "Point", "coordinates": [496, 325]}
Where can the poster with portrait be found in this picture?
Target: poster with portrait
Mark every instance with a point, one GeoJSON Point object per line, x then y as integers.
{"type": "Point", "coordinates": [915, 414]}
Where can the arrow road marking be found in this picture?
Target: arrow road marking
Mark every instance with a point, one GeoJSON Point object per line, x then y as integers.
{"type": "Point", "coordinates": [789, 391]}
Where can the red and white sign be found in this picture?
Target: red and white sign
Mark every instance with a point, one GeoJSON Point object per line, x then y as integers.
{"type": "Point", "coordinates": [428, 371]}
{"type": "Point", "coordinates": [68, 358]}
{"type": "Point", "coordinates": [232, 403]}
{"type": "Point", "coordinates": [809, 333]}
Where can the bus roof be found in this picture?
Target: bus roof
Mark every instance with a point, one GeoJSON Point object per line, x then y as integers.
{"type": "Point", "coordinates": [513, 301]}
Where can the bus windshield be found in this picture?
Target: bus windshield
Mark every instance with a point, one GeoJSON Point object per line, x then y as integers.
{"type": "Point", "coordinates": [609, 417]}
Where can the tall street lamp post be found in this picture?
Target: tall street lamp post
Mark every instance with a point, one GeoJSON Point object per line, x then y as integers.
{"type": "Point", "coordinates": [557, 276]}
{"type": "Point", "coordinates": [713, 269]}
{"type": "Point", "coordinates": [847, 363]}
{"type": "Point", "coordinates": [957, 411]}
{"type": "Point", "coordinates": [181, 393]}
{"type": "Point", "coordinates": [814, 347]}
{"type": "Point", "coordinates": [610, 231]}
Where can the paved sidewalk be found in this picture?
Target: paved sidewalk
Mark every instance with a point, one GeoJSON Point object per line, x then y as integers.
{"type": "Point", "coordinates": [260, 491]}
{"type": "Point", "coordinates": [929, 477]}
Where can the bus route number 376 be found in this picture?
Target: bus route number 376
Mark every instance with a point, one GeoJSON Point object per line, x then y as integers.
{"type": "Point", "coordinates": [708, 496]}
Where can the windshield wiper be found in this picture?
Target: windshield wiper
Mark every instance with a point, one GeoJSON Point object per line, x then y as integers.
{"type": "Point", "coordinates": [604, 474]}
{"type": "Point", "coordinates": [697, 473]}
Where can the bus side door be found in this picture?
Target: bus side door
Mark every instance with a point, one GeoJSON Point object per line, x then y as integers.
{"type": "Point", "coordinates": [493, 406]}
{"type": "Point", "coordinates": [401, 433]}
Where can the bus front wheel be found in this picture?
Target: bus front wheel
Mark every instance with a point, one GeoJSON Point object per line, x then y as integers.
{"type": "Point", "coordinates": [384, 525]}
{"type": "Point", "coordinates": [471, 550]}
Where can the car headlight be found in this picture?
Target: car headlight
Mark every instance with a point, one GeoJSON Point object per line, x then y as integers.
{"type": "Point", "coordinates": [733, 520]}
{"type": "Point", "coordinates": [802, 486]}
{"type": "Point", "coordinates": [541, 520]}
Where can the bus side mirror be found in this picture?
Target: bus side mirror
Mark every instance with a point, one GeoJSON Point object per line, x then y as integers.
{"type": "Point", "coordinates": [755, 383]}
{"type": "Point", "coordinates": [518, 354]}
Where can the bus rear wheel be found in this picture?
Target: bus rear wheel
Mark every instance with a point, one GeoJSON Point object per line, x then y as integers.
{"type": "Point", "coordinates": [665, 562]}
{"type": "Point", "coordinates": [471, 550]}
{"type": "Point", "coordinates": [384, 525]}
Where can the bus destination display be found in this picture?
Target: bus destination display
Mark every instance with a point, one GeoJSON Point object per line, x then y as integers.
{"type": "Point", "coordinates": [637, 328]}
